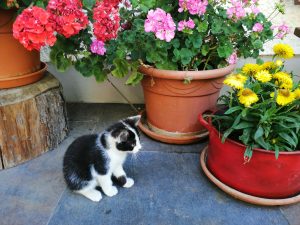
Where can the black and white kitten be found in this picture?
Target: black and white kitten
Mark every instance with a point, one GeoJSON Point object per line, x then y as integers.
{"type": "Point", "coordinates": [92, 160]}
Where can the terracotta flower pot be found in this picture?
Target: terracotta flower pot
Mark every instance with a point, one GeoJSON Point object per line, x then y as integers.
{"type": "Point", "coordinates": [264, 176]}
{"type": "Point", "coordinates": [18, 66]}
{"type": "Point", "coordinates": [172, 107]}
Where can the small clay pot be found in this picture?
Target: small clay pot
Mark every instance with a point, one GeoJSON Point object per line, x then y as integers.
{"type": "Point", "coordinates": [15, 60]}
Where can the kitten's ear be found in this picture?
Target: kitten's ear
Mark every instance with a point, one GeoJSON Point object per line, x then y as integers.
{"type": "Point", "coordinates": [124, 135]}
{"type": "Point", "coordinates": [133, 120]}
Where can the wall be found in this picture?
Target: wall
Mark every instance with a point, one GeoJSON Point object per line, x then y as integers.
{"type": "Point", "coordinates": [80, 89]}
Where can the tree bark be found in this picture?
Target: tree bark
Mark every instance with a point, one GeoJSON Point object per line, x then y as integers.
{"type": "Point", "coordinates": [32, 120]}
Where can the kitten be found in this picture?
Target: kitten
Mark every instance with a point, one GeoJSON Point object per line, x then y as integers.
{"type": "Point", "coordinates": [92, 160]}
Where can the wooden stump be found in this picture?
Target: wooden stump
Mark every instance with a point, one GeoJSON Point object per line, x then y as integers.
{"type": "Point", "coordinates": [32, 120]}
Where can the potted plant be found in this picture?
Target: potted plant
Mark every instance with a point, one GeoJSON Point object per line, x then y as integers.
{"type": "Point", "coordinates": [156, 39]}
{"type": "Point", "coordinates": [254, 144]}
{"type": "Point", "coordinates": [18, 66]}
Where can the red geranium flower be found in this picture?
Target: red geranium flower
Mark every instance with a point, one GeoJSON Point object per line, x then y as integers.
{"type": "Point", "coordinates": [107, 20]}
{"type": "Point", "coordinates": [34, 28]}
{"type": "Point", "coordinates": [68, 15]}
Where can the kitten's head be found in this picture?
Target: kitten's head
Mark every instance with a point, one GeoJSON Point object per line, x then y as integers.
{"type": "Point", "coordinates": [125, 135]}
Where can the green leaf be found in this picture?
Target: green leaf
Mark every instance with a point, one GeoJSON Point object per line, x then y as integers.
{"type": "Point", "coordinates": [58, 58]}
{"type": "Point", "coordinates": [248, 153]}
{"type": "Point", "coordinates": [259, 133]}
{"type": "Point", "coordinates": [40, 3]}
{"type": "Point", "coordinates": [257, 44]}
{"type": "Point", "coordinates": [233, 109]}
{"type": "Point", "coordinates": [99, 74]}
{"type": "Point", "coordinates": [259, 61]}
{"type": "Point", "coordinates": [196, 41]}
{"type": "Point", "coordinates": [89, 3]}
{"type": "Point", "coordinates": [84, 67]}
{"type": "Point", "coordinates": [243, 125]}
{"type": "Point", "coordinates": [225, 51]}
{"type": "Point", "coordinates": [204, 50]}
{"type": "Point", "coordinates": [134, 78]}
{"type": "Point", "coordinates": [122, 68]}
{"type": "Point", "coordinates": [186, 56]}
{"type": "Point", "coordinates": [226, 134]}
{"type": "Point", "coordinates": [288, 139]}
{"type": "Point", "coordinates": [276, 151]}
{"type": "Point", "coordinates": [202, 26]}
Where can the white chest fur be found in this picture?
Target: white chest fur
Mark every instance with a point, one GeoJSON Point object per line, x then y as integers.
{"type": "Point", "coordinates": [117, 159]}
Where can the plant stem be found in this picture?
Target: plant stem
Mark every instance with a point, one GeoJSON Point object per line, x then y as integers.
{"type": "Point", "coordinates": [230, 103]}
{"type": "Point", "coordinates": [271, 13]}
{"type": "Point", "coordinates": [123, 96]}
{"type": "Point", "coordinates": [208, 58]}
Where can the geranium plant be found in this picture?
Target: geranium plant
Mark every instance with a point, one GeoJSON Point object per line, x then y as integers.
{"type": "Point", "coordinates": [114, 36]}
{"type": "Point", "coordinates": [263, 106]}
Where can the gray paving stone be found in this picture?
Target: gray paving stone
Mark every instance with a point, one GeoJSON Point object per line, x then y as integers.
{"type": "Point", "coordinates": [292, 213]}
{"type": "Point", "coordinates": [30, 192]}
{"type": "Point", "coordinates": [169, 189]}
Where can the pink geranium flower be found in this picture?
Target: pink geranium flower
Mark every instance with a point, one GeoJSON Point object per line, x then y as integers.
{"type": "Point", "coordinates": [232, 59]}
{"type": "Point", "coordinates": [186, 25]}
{"type": "Point", "coordinates": [195, 7]}
{"type": "Point", "coordinates": [258, 27]}
{"type": "Point", "coordinates": [282, 30]}
{"type": "Point", "coordinates": [237, 10]}
{"type": "Point", "coordinates": [98, 47]}
{"type": "Point", "coordinates": [161, 24]}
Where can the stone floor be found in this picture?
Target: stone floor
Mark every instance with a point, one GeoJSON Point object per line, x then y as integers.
{"type": "Point", "coordinates": [170, 187]}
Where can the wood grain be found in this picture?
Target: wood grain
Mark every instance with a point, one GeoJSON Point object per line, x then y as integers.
{"type": "Point", "coordinates": [34, 123]}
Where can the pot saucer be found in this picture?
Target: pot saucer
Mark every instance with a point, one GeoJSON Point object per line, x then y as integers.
{"type": "Point", "coordinates": [17, 81]}
{"type": "Point", "coordinates": [169, 137]}
{"type": "Point", "coordinates": [240, 195]}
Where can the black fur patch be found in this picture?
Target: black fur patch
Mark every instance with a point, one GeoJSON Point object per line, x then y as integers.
{"type": "Point", "coordinates": [79, 157]}
{"type": "Point", "coordinates": [121, 181]}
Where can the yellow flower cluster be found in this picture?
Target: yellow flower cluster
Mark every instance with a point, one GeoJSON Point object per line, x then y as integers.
{"type": "Point", "coordinates": [236, 81]}
{"type": "Point", "coordinates": [284, 80]}
{"type": "Point", "coordinates": [263, 76]}
{"type": "Point", "coordinates": [247, 97]}
{"type": "Point", "coordinates": [265, 73]}
{"type": "Point", "coordinates": [284, 51]}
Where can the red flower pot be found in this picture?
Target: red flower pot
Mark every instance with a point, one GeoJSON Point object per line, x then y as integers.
{"type": "Point", "coordinates": [264, 176]}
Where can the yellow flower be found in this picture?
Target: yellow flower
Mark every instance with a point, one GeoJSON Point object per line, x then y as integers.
{"type": "Point", "coordinates": [236, 81]}
{"type": "Point", "coordinates": [283, 50]}
{"type": "Point", "coordinates": [284, 80]}
{"type": "Point", "coordinates": [279, 63]}
{"type": "Point", "coordinates": [284, 97]}
{"type": "Point", "coordinates": [247, 97]}
{"type": "Point", "coordinates": [263, 76]}
{"type": "Point", "coordinates": [268, 66]}
{"type": "Point", "coordinates": [250, 69]}
{"type": "Point", "coordinates": [297, 93]}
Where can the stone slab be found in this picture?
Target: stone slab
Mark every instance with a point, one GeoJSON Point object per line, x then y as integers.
{"type": "Point", "coordinates": [169, 189]}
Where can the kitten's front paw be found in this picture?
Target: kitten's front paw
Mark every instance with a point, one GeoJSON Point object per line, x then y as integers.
{"type": "Point", "coordinates": [129, 182]}
{"type": "Point", "coordinates": [112, 191]}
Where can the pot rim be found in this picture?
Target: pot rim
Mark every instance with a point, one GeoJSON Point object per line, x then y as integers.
{"type": "Point", "coordinates": [181, 75]}
{"type": "Point", "coordinates": [211, 128]}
